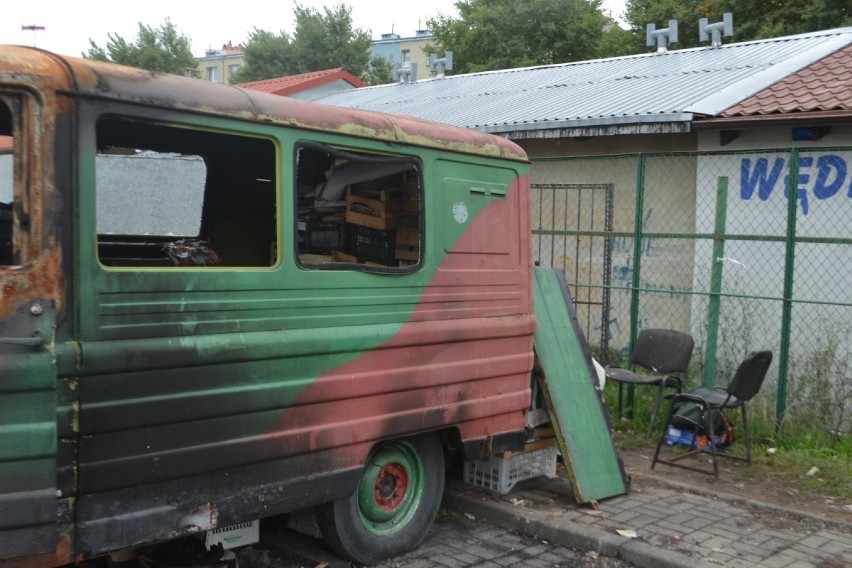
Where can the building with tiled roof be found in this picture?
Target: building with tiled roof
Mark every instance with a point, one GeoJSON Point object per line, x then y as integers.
{"type": "Point", "coordinates": [308, 86]}
{"type": "Point", "coordinates": [640, 162]}
{"type": "Point", "coordinates": [820, 92]}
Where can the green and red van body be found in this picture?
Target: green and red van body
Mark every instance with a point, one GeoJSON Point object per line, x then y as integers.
{"type": "Point", "coordinates": [141, 403]}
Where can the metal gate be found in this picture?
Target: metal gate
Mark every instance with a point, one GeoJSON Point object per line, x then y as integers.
{"type": "Point", "coordinates": [571, 227]}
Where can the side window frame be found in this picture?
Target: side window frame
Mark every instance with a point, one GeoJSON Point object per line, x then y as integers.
{"type": "Point", "coordinates": [240, 204]}
{"type": "Point", "coordinates": [358, 210]}
{"type": "Point", "coordinates": [25, 169]}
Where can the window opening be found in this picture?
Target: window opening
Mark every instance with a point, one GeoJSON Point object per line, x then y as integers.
{"type": "Point", "coordinates": [359, 209]}
{"type": "Point", "coordinates": [170, 196]}
{"type": "Point", "coordinates": [9, 250]}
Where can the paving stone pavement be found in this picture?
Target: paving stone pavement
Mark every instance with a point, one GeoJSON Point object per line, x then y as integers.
{"type": "Point", "coordinates": [674, 525]}
{"type": "Point", "coordinates": [463, 543]}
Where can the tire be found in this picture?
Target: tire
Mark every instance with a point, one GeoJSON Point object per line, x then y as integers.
{"type": "Point", "coordinates": [395, 504]}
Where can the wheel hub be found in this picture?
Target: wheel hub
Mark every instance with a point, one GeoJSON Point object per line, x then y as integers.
{"type": "Point", "coordinates": [391, 486]}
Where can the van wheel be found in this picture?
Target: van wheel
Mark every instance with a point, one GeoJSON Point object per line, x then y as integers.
{"type": "Point", "coordinates": [395, 504]}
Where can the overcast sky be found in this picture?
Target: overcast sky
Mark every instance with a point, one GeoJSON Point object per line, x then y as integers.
{"type": "Point", "coordinates": [69, 25]}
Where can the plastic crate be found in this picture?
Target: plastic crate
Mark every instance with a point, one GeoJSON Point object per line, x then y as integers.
{"type": "Point", "coordinates": [501, 474]}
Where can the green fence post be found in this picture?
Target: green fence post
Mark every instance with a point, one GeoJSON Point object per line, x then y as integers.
{"type": "Point", "coordinates": [635, 282]}
{"type": "Point", "coordinates": [716, 271]}
{"type": "Point", "coordinates": [787, 308]}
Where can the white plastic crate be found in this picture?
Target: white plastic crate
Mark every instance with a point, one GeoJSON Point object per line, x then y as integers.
{"type": "Point", "coordinates": [501, 474]}
{"type": "Point", "coordinates": [236, 535]}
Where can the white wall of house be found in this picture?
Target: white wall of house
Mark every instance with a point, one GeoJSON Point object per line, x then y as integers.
{"type": "Point", "coordinates": [757, 204]}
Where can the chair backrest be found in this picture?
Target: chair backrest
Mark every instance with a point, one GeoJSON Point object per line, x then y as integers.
{"type": "Point", "coordinates": [750, 374]}
{"type": "Point", "coordinates": [662, 350]}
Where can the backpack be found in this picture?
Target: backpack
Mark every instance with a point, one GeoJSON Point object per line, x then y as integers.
{"type": "Point", "coordinates": [684, 428]}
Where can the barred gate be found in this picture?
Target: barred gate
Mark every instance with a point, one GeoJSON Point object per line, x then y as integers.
{"type": "Point", "coordinates": [571, 229]}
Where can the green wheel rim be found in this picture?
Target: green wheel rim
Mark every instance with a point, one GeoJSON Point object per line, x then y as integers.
{"type": "Point", "coordinates": [391, 488]}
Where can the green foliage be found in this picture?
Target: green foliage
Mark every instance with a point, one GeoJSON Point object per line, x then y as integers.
{"type": "Point", "coordinates": [266, 56]}
{"type": "Point", "coordinates": [155, 49]}
{"type": "Point", "coordinates": [753, 19]}
{"type": "Point", "coordinates": [819, 386]}
{"type": "Point", "coordinates": [322, 40]}
{"type": "Point", "coordinates": [379, 72]}
{"type": "Point", "coordinates": [505, 34]}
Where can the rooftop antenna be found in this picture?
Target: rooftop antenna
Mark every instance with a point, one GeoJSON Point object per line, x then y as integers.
{"type": "Point", "coordinates": [440, 66]}
{"type": "Point", "coordinates": [661, 37]}
{"type": "Point", "coordinates": [33, 29]}
{"type": "Point", "coordinates": [717, 31]}
{"type": "Point", "coordinates": [405, 73]}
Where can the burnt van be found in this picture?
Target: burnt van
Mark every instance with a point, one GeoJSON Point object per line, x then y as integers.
{"type": "Point", "coordinates": [219, 305]}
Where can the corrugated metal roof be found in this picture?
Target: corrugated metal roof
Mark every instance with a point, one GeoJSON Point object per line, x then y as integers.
{"type": "Point", "coordinates": [616, 92]}
{"type": "Point", "coordinates": [824, 86]}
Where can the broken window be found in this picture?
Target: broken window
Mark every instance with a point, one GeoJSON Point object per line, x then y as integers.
{"type": "Point", "coordinates": [171, 196]}
{"type": "Point", "coordinates": [9, 252]}
{"type": "Point", "coordinates": [362, 210]}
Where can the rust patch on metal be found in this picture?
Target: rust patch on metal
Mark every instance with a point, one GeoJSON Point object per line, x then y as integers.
{"type": "Point", "coordinates": [64, 554]}
{"type": "Point", "coordinates": [36, 238]}
{"type": "Point", "coordinates": [105, 80]}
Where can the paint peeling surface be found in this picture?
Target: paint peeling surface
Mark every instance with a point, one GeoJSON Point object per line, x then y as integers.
{"type": "Point", "coordinates": [97, 79]}
{"type": "Point", "coordinates": [171, 393]}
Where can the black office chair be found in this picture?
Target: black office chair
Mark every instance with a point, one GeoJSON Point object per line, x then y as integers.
{"type": "Point", "coordinates": [743, 387]}
{"type": "Point", "coordinates": [663, 352]}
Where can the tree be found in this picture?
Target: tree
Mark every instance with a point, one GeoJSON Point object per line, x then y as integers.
{"type": "Point", "coordinates": [380, 71]}
{"type": "Point", "coordinates": [267, 55]}
{"type": "Point", "coordinates": [161, 49]}
{"type": "Point", "coordinates": [321, 40]}
{"type": "Point", "coordinates": [503, 34]}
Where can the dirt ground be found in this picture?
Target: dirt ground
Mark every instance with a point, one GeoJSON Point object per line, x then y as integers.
{"type": "Point", "coordinates": [734, 480]}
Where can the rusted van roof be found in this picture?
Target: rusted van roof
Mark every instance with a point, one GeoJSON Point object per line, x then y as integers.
{"type": "Point", "coordinates": [88, 78]}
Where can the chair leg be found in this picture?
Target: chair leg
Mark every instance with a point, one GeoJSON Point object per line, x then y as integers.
{"type": "Point", "coordinates": [663, 435]}
{"type": "Point", "coordinates": [708, 429]}
{"type": "Point", "coordinates": [654, 412]}
{"type": "Point", "coordinates": [745, 433]}
{"type": "Point", "coordinates": [620, 387]}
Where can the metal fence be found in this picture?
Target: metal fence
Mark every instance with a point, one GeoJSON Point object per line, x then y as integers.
{"type": "Point", "coordinates": [709, 243]}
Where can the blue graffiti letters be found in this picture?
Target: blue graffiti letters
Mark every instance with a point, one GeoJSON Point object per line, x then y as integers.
{"type": "Point", "coordinates": [822, 176]}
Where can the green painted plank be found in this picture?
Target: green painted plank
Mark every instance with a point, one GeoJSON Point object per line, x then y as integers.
{"type": "Point", "coordinates": [579, 417]}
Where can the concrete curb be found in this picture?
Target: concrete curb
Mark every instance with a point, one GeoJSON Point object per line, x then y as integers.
{"type": "Point", "coordinates": [567, 533]}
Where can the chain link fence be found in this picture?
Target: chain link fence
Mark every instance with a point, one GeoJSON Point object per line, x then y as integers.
{"type": "Point", "coordinates": [710, 244]}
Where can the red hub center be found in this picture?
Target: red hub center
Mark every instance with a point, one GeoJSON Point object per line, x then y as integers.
{"type": "Point", "coordinates": [391, 485]}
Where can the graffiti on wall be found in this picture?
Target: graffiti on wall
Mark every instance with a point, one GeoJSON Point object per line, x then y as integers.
{"type": "Point", "coordinates": [821, 177]}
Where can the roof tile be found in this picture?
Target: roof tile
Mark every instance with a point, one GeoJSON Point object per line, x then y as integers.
{"type": "Point", "coordinates": [822, 86]}
{"type": "Point", "coordinates": [296, 83]}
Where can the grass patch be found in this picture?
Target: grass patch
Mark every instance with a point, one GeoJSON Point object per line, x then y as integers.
{"type": "Point", "coordinates": [455, 517]}
{"type": "Point", "coordinates": [798, 446]}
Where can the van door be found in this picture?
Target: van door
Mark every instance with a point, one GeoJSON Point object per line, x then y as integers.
{"type": "Point", "coordinates": [28, 500]}
{"type": "Point", "coordinates": [28, 280]}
